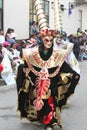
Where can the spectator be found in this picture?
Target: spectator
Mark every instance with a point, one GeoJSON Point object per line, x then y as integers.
{"type": "Point", "coordinates": [2, 38]}
{"type": "Point", "coordinates": [1, 54]}
{"type": "Point", "coordinates": [13, 35]}
{"type": "Point", "coordinates": [6, 47]}
{"type": "Point", "coordinates": [16, 57]}
{"type": "Point", "coordinates": [10, 36]}
{"type": "Point", "coordinates": [82, 48]}
{"type": "Point", "coordinates": [37, 28]}
{"type": "Point", "coordinates": [79, 32]}
{"type": "Point", "coordinates": [76, 48]}
{"type": "Point", "coordinates": [34, 28]}
{"type": "Point", "coordinates": [1, 58]}
{"type": "Point", "coordinates": [7, 74]}
{"type": "Point", "coordinates": [20, 46]}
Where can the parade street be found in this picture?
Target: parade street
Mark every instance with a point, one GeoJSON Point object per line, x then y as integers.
{"type": "Point", "coordinates": [74, 117]}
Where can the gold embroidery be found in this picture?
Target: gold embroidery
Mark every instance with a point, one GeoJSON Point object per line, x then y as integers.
{"type": "Point", "coordinates": [57, 115]}
{"type": "Point", "coordinates": [64, 77]}
{"type": "Point", "coordinates": [47, 95]}
{"type": "Point", "coordinates": [32, 113]}
{"type": "Point", "coordinates": [61, 91]}
{"type": "Point", "coordinates": [27, 81]}
{"type": "Point", "coordinates": [33, 56]}
{"type": "Point", "coordinates": [55, 60]}
{"type": "Point", "coordinates": [65, 84]}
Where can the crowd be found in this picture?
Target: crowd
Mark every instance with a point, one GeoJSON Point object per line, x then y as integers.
{"type": "Point", "coordinates": [10, 57]}
{"type": "Point", "coordinates": [80, 44]}
{"type": "Point", "coordinates": [11, 47]}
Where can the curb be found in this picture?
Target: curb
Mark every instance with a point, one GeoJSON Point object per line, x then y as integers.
{"type": "Point", "coordinates": [6, 87]}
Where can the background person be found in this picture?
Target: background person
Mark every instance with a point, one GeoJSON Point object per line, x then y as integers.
{"type": "Point", "coordinates": [2, 37]}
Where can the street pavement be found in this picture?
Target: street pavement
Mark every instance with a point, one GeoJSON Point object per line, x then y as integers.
{"type": "Point", "coordinates": [74, 117]}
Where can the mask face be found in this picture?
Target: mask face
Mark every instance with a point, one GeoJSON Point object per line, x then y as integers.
{"type": "Point", "coordinates": [48, 41]}
{"type": "Point", "coordinates": [58, 39]}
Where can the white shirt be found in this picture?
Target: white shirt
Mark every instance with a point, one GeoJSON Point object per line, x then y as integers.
{"type": "Point", "coordinates": [2, 39]}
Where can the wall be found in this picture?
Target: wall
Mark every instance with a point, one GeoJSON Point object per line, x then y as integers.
{"type": "Point", "coordinates": [84, 16]}
{"type": "Point", "coordinates": [16, 15]}
{"type": "Point", "coordinates": [70, 22]}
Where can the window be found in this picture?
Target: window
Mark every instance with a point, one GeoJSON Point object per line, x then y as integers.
{"type": "Point", "coordinates": [1, 14]}
{"type": "Point", "coordinates": [32, 12]}
{"type": "Point", "coordinates": [46, 8]}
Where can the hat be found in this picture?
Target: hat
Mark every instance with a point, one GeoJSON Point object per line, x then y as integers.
{"type": "Point", "coordinates": [43, 22]}
{"type": "Point", "coordinates": [11, 41]}
{"type": "Point", "coordinates": [48, 32]}
{"type": "Point", "coordinates": [5, 43]}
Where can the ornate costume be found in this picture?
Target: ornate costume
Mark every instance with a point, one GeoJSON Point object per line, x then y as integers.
{"type": "Point", "coordinates": [45, 86]}
{"type": "Point", "coordinates": [45, 81]}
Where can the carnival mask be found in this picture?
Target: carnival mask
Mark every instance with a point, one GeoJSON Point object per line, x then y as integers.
{"type": "Point", "coordinates": [58, 38]}
{"type": "Point", "coordinates": [48, 41]}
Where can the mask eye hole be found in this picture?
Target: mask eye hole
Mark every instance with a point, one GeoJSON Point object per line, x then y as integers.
{"type": "Point", "coordinates": [47, 40]}
{"type": "Point", "coordinates": [51, 40]}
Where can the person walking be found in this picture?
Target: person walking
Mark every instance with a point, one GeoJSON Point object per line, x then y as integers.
{"type": "Point", "coordinates": [42, 83]}
{"type": "Point", "coordinates": [45, 81]}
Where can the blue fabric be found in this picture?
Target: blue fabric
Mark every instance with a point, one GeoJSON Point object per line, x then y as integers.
{"type": "Point", "coordinates": [85, 57]}
{"type": "Point", "coordinates": [11, 41]}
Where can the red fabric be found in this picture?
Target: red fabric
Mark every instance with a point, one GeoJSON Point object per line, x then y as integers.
{"type": "Point", "coordinates": [1, 67]}
{"type": "Point", "coordinates": [49, 117]}
{"type": "Point", "coordinates": [38, 103]}
{"type": "Point", "coordinates": [47, 32]}
{"type": "Point", "coordinates": [42, 85]}
{"type": "Point", "coordinates": [6, 43]}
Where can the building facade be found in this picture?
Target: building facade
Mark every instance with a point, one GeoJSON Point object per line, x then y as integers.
{"type": "Point", "coordinates": [19, 14]}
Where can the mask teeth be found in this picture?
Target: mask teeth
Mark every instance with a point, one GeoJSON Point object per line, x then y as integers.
{"type": "Point", "coordinates": [41, 17]}
{"type": "Point", "coordinates": [57, 16]}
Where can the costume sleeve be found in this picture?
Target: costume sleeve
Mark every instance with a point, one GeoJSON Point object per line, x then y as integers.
{"type": "Point", "coordinates": [20, 75]}
{"type": "Point", "coordinates": [66, 68]}
{"type": "Point", "coordinates": [68, 90]}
